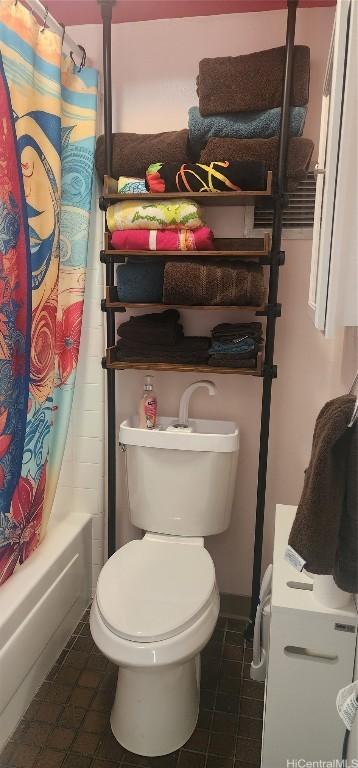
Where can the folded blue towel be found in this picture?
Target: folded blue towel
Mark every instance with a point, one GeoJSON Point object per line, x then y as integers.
{"type": "Point", "coordinates": [141, 280]}
{"type": "Point", "coordinates": [241, 125]}
{"type": "Point", "coordinates": [239, 347]}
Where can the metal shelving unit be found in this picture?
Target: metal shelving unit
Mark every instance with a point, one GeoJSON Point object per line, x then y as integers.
{"type": "Point", "coordinates": [266, 251]}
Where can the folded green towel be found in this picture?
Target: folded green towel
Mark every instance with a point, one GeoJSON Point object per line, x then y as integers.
{"type": "Point", "coordinates": [169, 214]}
{"type": "Point", "coordinates": [241, 125]}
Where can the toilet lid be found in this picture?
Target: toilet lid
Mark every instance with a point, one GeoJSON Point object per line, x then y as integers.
{"type": "Point", "coordinates": [151, 590]}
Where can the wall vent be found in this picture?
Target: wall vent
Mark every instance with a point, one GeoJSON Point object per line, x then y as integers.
{"type": "Point", "coordinates": [297, 218]}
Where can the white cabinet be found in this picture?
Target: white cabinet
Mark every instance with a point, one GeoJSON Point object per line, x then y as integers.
{"type": "Point", "coordinates": [312, 653]}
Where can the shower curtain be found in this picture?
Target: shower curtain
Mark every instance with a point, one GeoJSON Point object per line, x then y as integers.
{"type": "Point", "coordinates": [48, 115]}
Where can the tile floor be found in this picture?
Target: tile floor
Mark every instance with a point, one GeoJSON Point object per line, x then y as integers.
{"type": "Point", "coordinates": [67, 724]}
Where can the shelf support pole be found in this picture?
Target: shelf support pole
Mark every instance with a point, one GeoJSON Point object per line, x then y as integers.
{"type": "Point", "coordinates": [269, 368]}
{"type": "Point", "coordinates": [106, 13]}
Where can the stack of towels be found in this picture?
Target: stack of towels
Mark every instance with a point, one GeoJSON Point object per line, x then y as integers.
{"type": "Point", "coordinates": [235, 345]}
{"type": "Point", "coordinates": [159, 338]}
{"type": "Point", "coordinates": [177, 225]}
{"type": "Point", "coordinates": [232, 138]}
{"type": "Point", "coordinates": [191, 283]}
{"type": "Point", "coordinates": [158, 226]}
{"type": "Point", "coordinates": [239, 112]}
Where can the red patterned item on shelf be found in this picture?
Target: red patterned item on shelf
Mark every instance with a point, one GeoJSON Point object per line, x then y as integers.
{"type": "Point", "coordinates": [200, 239]}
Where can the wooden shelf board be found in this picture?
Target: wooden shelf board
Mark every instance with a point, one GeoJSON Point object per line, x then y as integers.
{"type": "Point", "coordinates": [113, 303]}
{"type": "Point", "coordinates": [117, 366]}
{"type": "Point", "coordinates": [120, 305]}
{"type": "Point", "coordinates": [206, 198]}
{"type": "Point", "coordinates": [184, 368]}
{"type": "Point", "coordinates": [126, 305]}
{"type": "Point", "coordinates": [225, 248]}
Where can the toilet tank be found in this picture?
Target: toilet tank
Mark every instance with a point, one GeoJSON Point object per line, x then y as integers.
{"type": "Point", "coordinates": [181, 483]}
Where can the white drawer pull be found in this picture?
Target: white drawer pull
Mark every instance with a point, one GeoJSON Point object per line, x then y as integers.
{"type": "Point", "coordinates": [297, 650]}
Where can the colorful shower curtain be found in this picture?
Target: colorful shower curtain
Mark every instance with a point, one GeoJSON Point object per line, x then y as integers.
{"type": "Point", "coordinates": [51, 106]}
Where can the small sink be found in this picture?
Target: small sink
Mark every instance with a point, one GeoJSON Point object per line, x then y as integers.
{"type": "Point", "coordinates": [207, 435]}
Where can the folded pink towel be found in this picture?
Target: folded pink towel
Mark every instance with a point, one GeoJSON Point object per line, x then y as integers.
{"type": "Point", "coordinates": [200, 239]}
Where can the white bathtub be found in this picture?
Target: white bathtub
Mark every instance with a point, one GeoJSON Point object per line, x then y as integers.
{"type": "Point", "coordinates": [40, 605]}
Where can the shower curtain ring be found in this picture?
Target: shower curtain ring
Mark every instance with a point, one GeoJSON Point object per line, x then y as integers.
{"type": "Point", "coordinates": [63, 33]}
{"type": "Point", "coordinates": [83, 60]}
{"type": "Point", "coordinates": [45, 20]}
{"type": "Point", "coordinates": [84, 57]}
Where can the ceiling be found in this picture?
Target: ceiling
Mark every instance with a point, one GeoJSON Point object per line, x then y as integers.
{"type": "Point", "coordinates": [71, 12]}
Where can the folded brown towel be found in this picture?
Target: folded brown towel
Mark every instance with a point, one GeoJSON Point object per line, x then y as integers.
{"type": "Point", "coordinates": [298, 159]}
{"type": "Point", "coordinates": [346, 565]}
{"type": "Point", "coordinates": [226, 332]}
{"type": "Point", "coordinates": [252, 82]}
{"type": "Point", "coordinates": [315, 531]}
{"type": "Point", "coordinates": [132, 153]}
{"type": "Point", "coordinates": [213, 284]}
{"type": "Point", "coordinates": [190, 349]}
{"type": "Point", "coordinates": [153, 328]}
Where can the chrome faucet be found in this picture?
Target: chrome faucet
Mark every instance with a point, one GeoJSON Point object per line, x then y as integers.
{"type": "Point", "coordinates": [185, 399]}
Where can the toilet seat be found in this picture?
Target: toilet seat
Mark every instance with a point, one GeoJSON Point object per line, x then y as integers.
{"type": "Point", "coordinates": [154, 588]}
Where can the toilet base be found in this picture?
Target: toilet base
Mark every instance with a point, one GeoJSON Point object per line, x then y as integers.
{"type": "Point", "coordinates": [155, 711]}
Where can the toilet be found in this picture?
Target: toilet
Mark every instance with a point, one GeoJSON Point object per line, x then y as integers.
{"type": "Point", "coordinates": [157, 600]}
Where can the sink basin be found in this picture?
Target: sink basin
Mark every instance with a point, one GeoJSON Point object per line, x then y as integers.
{"type": "Point", "coordinates": [207, 435]}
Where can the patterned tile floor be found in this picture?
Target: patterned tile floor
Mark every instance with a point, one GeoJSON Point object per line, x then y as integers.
{"type": "Point", "coordinates": [67, 724]}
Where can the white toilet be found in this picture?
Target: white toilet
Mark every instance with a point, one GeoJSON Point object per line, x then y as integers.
{"type": "Point", "coordinates": [157, 601]}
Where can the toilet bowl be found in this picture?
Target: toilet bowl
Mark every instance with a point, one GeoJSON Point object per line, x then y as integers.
{"type": "Point", "coordinates": [157, 601]}
{"type": "Point", "coordinates": [155, 609]}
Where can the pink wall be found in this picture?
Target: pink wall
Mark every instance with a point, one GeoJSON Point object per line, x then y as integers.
{"type": "Point", "coordinates": [88, 11]}
{"type": "Point", "coordinates": [155, 65]}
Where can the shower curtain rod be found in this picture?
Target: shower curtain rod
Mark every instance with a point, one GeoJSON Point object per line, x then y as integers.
{"type": "Point", "coordinates": [49, 21]}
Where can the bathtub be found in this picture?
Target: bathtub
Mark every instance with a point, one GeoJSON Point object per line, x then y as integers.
{"type": "Point", "coordinates": [40, 606]}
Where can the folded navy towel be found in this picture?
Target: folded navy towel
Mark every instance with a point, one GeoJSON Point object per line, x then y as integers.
{"type": "Point", "coordinates": [141, 280]}
{"type": "Point", "coordinates": [241, 125]}
{"type": "Point", "coordinates": [244, 346]}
